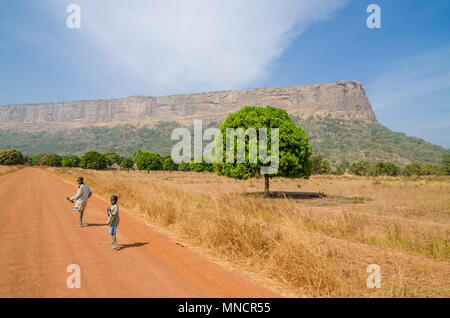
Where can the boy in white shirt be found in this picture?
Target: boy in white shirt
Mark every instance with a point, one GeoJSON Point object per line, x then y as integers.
{"type": "Point", "coordinates": [82, 196]}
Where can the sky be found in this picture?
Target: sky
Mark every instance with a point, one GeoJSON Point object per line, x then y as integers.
{"type": "Point", "coordinates": [154, 48]}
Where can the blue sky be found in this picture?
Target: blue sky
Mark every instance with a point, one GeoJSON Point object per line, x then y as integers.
{"type": "Point", "coordinates": [154, 48]}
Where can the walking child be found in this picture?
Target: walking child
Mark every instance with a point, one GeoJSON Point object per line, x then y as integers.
{"type": "Point", "coordinates": [82, 197]}
{"type": "Point", "coordinates": [113, 220]}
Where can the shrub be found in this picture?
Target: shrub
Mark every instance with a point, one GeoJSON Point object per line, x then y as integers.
{"type": "Point", "coordinates": [70, 161]}
{"type": "Point", "coordinates": [126, 163]}
{"type": "Point", "coordinates": [320, 165]}
{"type": "Point", "coordinates": [184, 166]}
{"type": "Point", "coordinates": [169, 165]}
{"type": "Point", "coordinates": [360, 168]}
{"type": "Point", "coordinates": [149, 161]}
{"type": "Point", "coordinates": [11, 157]}
{"type": "Point", "coordinates": [93, 160]}
{"type": "Point", "coordinates": [413, 169]}
{"type": "Point", "coordinates": [50, 160]}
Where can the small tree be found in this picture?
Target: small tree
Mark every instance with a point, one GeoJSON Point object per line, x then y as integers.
{"type": "Point", "coordinates": [293, 157]}
{"type": "Point", "coordinates": [320, 165]}
{"type": "Point", "coordinates": [169, 165]}
{"type": "Point", "coordinates": [93, 160]}
{"type": "Point", "coordinates": [183, 166]}
{"type": "Point", "coordinates": [126, 163]}
{"type": "Point", "coordinates": [50, 160]}
{"type": "Point", "coordinates": [360, 168]}
{"type": "Point", "coordinates": [112, 158]}
{"type": "Point", "coordinates": [149, 161]}
{"type": "Point", "coordinates": [413, 169]}
{"type": "Point", "coordinates": [446, 163]}
{"type": "Point", "coordinates": [70, 161]}
{"type": "Point", "coordinates": [11, 157]}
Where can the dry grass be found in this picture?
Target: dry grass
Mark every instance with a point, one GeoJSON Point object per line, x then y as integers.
{"type": "Point", "coordinates": [309, 247]}
{"type": "Point", "coordinates": [4, 170]}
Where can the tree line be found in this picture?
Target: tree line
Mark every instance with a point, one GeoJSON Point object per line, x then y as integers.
{"type": "Point", "coordinates": [321, 166]}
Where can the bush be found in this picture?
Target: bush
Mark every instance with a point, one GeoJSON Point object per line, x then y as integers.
{"type": "Point", "coordinates": [183, 166]}
{"type": "Point", "coordinates": [320, 164]}
{"type": "Point", "coordinates": [384, 169]}
{"type": "Point", "coordinates": [70, 161]}
{"type": "Point", "coordinates": [169, 165]}
{"type": "Point", "coordinates": [50, 160]}
{"type": "Point", "coordinates": [446, 164]}
{"type": "Point", "coordinates": [112, 158]}
{"type": "Point", "coordinates": [126, 163]}
{"type": "Point", "coordinates": [93, 160]}
{"type": "Point", "coordinates": [413, 169]}
{"type": "Point", "coordinates": [149, 161]}
{"type": "Point", "coordinates": [360, 168]}
{"type": "Point", "coordinates": [11, 157]}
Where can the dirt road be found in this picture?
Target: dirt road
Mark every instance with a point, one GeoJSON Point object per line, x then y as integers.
{"type": "Point", "coordinates": [39, 239]}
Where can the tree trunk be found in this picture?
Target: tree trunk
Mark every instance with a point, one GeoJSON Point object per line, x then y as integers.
{"type": "Point", "coordinates": [266, 181]}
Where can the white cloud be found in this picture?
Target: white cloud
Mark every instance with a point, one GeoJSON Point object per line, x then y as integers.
{"type": "Point", "coordinates": [176, 46]}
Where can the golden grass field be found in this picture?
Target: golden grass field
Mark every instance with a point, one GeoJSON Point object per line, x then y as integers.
{"type": "Point", "coordinates": [4, 170]}
{"type": "Point", "coordinates": [300, 247]}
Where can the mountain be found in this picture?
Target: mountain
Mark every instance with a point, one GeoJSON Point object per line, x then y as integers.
{"type": "Point", "coordinates": [337, 117]}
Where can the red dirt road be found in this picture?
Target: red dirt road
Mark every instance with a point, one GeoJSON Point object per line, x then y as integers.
{"type": "Point", "coordinates": [39, 239]}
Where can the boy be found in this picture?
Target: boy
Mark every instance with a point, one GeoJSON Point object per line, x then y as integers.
{"type": "Point", "coordinates": [82, 196]}
{"type": "Point", "coordinates": [113, 220]}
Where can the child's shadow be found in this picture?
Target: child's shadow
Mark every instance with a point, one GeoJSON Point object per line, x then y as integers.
{"type": "Point", "coordinates": [123, 246]}
{"type": "Point", "coordinates": [95, 224]}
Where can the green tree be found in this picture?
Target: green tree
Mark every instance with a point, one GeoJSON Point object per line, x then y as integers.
{"type": "Point", "coordinates": [360, 168]}
{"type": "Point", "coordinates": [183, 166]}
{"type": "Point", "coordinates": [37, 159]}
{"type": "Point", "coordinates": [149, 161]}
{"type": "Point", "coordinates": [93, 160]}
{"type": "Point", "coordinates": [70, 161]}
{"type": "Point", "coordinates": [27, 160]}
{"type": "Point", "coordinates": [169, 165]}
{"type": "Point", "coordinates": [446, 163]}
{"type": "Point", "coordinates": [320, 165]}
{"type": "Point", "coordinates": [384, 169]}
{"type": "Point", "coordinates": [112, 158]}
{"type": "Point", "coordinates": [294, 153]}
{"type": "Point", "coordinates": [11, 157]}
{"type": "Point", "coordinates": [413, 169]}
{"type": "Point", "coordinates": [136, 155]}
{"type": "Point", "coordinates": [50, 160]}
{"type": "Point", "coordinates": [127, 163]}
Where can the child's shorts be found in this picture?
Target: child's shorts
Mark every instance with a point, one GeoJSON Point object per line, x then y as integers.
{"type": "Point", "coordinates": [112, 229]}
{"type": "Point", "coordinates": [79, 208]}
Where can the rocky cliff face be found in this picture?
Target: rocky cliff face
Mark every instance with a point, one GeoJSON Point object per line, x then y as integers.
{"type": "Point", "coordinates": [339, 99]}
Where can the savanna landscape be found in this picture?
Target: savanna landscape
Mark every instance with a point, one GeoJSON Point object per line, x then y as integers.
{"type": "Point", "coordinates": [306, 247]}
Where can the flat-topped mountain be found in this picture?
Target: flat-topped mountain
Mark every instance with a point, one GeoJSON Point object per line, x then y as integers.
{"type": "Point", "coordinates": [337, 118]}
{"type": "Point", "coordinates": [340, 99]}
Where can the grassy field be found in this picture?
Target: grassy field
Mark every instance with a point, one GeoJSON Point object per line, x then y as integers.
{"type": "Point", "coordinates": [301, 247]}
{"type": "Point", "coordinates": [4, 170]}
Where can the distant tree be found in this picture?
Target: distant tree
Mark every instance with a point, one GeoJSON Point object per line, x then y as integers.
{"type": "Point", "coordinates": [136, 155]}
{"type": "Point", "coordinates": [294, 153]}
{"type": "Point", "coordinates": [446, 163]}
{"type": "Point", "coordinates": [126, 163]}
{"type": "Point", "coordinates": [11, 157]}
{"type": "Point", "coordinates": [339, 171]}
{"type": "Point", "coordinates": [50, 160]}
{"type": "Point", "coordinates": [169, 165]}
{"type": "Point", "coordinates": [430, 169]}
{"type": "Point", "coordinates": [70, 161]}
{"type": "Point", "coordinates": [112, 158]}
{"type": "Point", "coordinates": [320, 165]}
{"type": "Point", "coordinates": [93, 160]}
{"type": "Point", "coordinates": [360, 168]}
{"type": "Point", "coordinates": [149, 161]}
{"type": "Point", "coordinates": [37, 159]}
{"type": "Point", "coordinates": [27, 160]}
{"type": "Point", "coordinates": [384, 169]}
{"type": "Point", "coordinates": [183, 166]}
{"type": "Point", "coordinates": [413, 169]}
